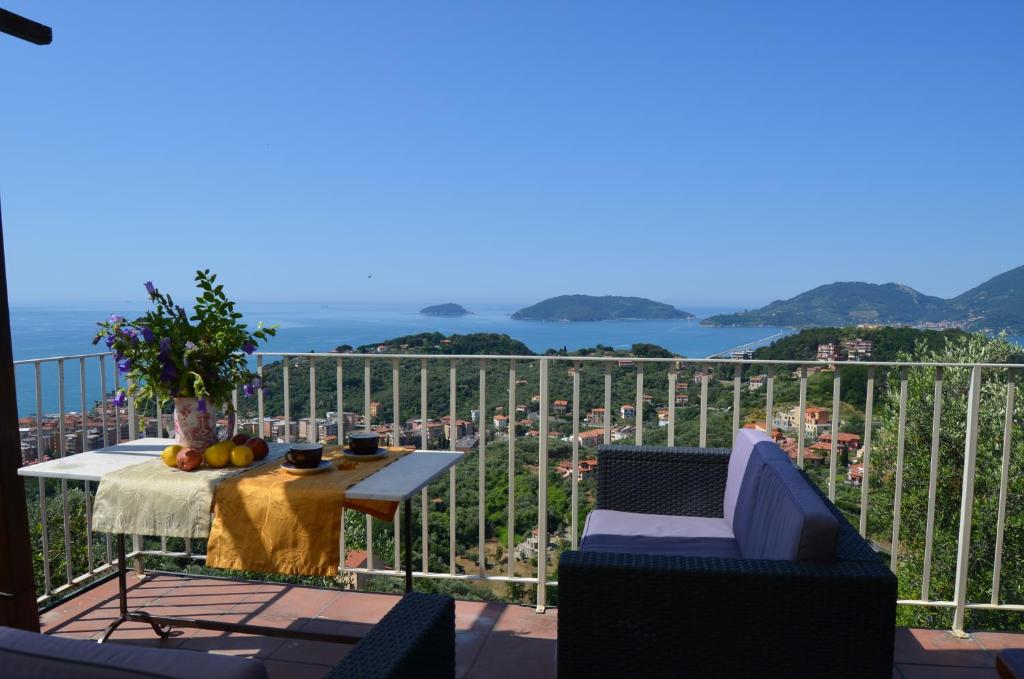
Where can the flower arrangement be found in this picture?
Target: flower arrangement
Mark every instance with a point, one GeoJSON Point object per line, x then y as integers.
{"type": "Point", "coordinates": [168, 354]}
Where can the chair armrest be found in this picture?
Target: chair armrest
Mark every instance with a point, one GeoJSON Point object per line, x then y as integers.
{"type": "Point", "coordinates": [723, 617]}
{"type": "Point", "coordinates": [662, 480]}
{"type": "Point", "coordinates": [415, 639]}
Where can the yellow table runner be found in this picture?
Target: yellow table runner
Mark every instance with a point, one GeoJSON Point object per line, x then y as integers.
{"type": "Point", "coordinates": [270, 521]}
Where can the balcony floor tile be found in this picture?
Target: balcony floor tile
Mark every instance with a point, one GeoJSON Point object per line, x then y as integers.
{"type": "Point", "coordinates": [492, 640]}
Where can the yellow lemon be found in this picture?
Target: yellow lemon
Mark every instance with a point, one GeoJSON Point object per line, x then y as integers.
{"type": "Point", "coordinates": [170, 455]}
{"type": "Point", "coordinates": [218, 454]}
{"type": "Point", "coordinates": [241, 456]}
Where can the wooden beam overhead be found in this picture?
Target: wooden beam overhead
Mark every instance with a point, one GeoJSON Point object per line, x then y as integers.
{"type": "Point", "coordinates": [25, 29]}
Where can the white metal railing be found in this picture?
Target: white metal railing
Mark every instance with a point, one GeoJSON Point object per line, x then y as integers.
{"type": "Point", "coordinates": [486, 365]}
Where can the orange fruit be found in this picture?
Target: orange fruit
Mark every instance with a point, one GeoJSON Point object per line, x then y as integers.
{"type": "Point", "coordinates": [241, 456]}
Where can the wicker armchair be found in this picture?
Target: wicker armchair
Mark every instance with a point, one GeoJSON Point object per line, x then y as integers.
{"type": "Point", "coordinates": [416, 639]}
{"type": "Point", "coordinates": [627, 615]}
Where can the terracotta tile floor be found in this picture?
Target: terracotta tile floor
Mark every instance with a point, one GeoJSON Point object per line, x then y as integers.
{"type": "Point", "coordinates": [493, 640]}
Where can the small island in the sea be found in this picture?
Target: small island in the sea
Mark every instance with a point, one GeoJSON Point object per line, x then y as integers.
{"type": "Point", "coordinates": [448, 309]}
{"type": "Point", "coordinates": [593, 308]}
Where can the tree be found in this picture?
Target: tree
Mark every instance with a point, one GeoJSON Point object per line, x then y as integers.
{"type": "Point", "coordinates": [958, 349]}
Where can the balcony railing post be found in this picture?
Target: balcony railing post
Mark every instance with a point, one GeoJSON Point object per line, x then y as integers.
{"type": "Point", "coordinates": [511, 528]}
{"type": "Point", "coordinates": [737, 387]}
{"type": "Point", "coordinates": [901, 439]}
{"type": "Point", "coordinates": [40, 455]}
{"type": "Point", "coordinates": [704, 378]}
{"type": "Point", "coordinates": [287, 399]}
{"type": "Point", "coordinates": [639, 419]}
{"type": "Point", "coordinates": [671, 436]}
{"type": "Point", "coordinates": [963, 551]}
{"type": "Point", "coordinates": [259, 399]}
{"type": "Point", "coordinates": [1004, 484]}
{"type": "Point", "coordinates": [575, 499]}
{"type": "Point", "coordinates": [452, 436]}
{"type": "Point", "coordinates": [869, 404]}
{"type": "Point", "coordinates": [933, 478]}
{"type": "Point", "coordinates": [396, 440]}
{"type": "Point", "coordinates": [312, 431]}
{"type": "Point", "coordinates": [607, 402]}
{"type": "Point", "coordinates": [542, 489]}
{"type": "Point", "coordinates": [424, 444]}
{"type": "Point", "coordinates": [837, 416]}
{"type": "Point", "coordinates": [482, 472]}
{"type": "Point", "coordinates": [801, 417]}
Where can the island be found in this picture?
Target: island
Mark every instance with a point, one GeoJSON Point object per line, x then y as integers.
{"type": "Point", "coordinates": [448, 309]}
{"type": "Point", "coordinates": [574, 308]}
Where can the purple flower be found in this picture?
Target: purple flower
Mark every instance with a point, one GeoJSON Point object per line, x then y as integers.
{"type": "Point", "coordinates": [201, 405]}
{"type": "Point", "coordinates": [109, 340]}
{"type": "Point", "coordinates": [248, 390]}
{"type": "Point", "coordinates": [165, 345]}
{"type": "Point", "coordinates": [124, 365]}
{"type": "Point", "coordinates": [114, 318]}
{"type": "Point", "coordinates": [190, 345]}
{"type": "Point", "coordinates": [248, 347]}
{"type": "Point", "coordinates": [168, 372]}
{"type": "Point", "coordinates": [257, 382]}
{"type": "Point", "coordinates": [131, 334]}
{"type": "Point", "coordinates": [120, 399]}
{"type": "Point", "coordinates": [150, 288]}
{"type": "Point", "coordinates": [147, 333]}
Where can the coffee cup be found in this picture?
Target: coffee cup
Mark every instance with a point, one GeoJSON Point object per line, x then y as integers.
{"type": "Point", "coordinates": [305, 455]}
{"type": "Point", "coordinates": [363, 442]}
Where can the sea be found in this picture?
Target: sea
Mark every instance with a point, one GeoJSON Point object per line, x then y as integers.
{"type": "Point", "coordinates": [41, 331]}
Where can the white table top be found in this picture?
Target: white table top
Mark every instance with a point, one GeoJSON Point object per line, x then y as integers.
{"type": "Point", "coordinates": [404, 478]}
{"type": "Point", "coordinates": [93, 464]}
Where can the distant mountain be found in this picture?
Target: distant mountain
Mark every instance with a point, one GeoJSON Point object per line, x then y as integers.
{"type": "Point", "coordinates": [591, 308]}
{"type": "Point", "coordinates": [839, 304]}
{"type": "Point", "coordinates": [995, 305]}
{"type": "Point", "coordinates": [448, 309]}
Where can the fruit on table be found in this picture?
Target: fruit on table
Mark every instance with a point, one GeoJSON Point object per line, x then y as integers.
{"type": "Point", "coordinates": [239, 439]}
{"type": "Point", "coordinates": [219, 454]}
{"type": "Point", "coordinates": [241, 456]}
{"type": "Point", "coordinates": [259, 448]}
{"type": "Point", "coordinates": [170, 455]}
{"type": "Point", "coordinates": [189, 459]}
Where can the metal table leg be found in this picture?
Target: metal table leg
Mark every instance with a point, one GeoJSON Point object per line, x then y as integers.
{"type": "Point", "coordinates": [162, 624]}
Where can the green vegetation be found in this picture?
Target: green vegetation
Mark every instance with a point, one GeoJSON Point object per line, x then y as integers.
{"type": "Point", "coordinates": [448, 309]}
{"type": "Point", "coordinates": [994, 306]}
{"type": "Point", "coordinates": [590, 308]}
{"type": "Point", "coordinates": [974, 348]}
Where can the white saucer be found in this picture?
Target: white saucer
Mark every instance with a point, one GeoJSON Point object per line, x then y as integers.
{"type": "Point", "coordinates": [305, 471]}
{"type": "Point", "coordinates": [380, 454]}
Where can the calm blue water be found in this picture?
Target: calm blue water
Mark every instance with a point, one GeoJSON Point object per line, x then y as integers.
{"type": "Point", "coordinates": [41, 331]}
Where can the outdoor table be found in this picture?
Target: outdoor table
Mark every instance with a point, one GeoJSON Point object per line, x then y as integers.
{"type": "Point", "coordinates": [397, 482]}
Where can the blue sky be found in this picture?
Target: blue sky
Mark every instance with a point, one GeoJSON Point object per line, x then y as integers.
{"type": "Point", "coordinates": [694, 152]}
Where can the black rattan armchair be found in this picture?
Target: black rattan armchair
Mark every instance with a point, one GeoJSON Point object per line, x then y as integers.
{"type": "Point", "coordinates": [633, 615]}
{"type": "Point", "coordinates": [416, 639]}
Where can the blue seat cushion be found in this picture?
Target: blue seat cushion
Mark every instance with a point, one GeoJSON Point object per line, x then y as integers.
{"type": "Point", "coordinates": [28, 655]}
{"type": "Point", "coordinates": [784, 517]}
{"type": "Point", "coordinates": [607, 530]}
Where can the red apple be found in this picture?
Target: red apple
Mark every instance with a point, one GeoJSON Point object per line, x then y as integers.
{"type": "Point", "coordinates": [189, 459]}
{"type": "Point", "coordinates": [239, 439]}
{"type": "Point", "coordinates": [259, 448]}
